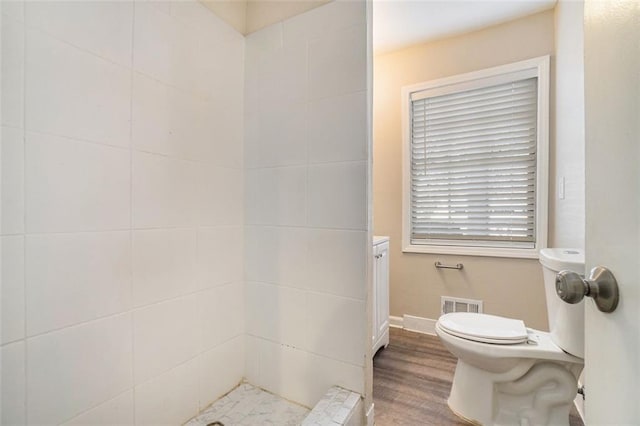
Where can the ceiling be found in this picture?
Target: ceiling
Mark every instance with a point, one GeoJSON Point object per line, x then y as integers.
{"type": "Point", "coordinates": [401, 23]}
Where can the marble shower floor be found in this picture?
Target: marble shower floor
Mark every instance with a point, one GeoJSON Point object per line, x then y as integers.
{"type": "Point", "coordinates": [248, 405]}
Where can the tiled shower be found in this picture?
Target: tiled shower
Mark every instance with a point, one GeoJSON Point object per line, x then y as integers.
{"type": "Point", "coordinates": [182, 208]}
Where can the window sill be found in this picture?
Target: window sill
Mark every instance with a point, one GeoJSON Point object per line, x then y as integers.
{"type": "Point", "coordinates": [473, 251]}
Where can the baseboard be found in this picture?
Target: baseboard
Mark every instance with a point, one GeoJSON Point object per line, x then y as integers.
{"type": "Point", "coordinates": [413, 323]}
{"type": "Point", "coordinates": [395, 321]}
{"type": "Point", "coordinates": [370, 415]}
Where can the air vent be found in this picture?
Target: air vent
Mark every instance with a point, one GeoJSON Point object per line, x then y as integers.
{"type": "Point", "coordinates": [456, 304]}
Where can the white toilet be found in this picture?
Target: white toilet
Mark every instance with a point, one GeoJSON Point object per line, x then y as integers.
{"type": "Point", "coordinates": [508, 374]}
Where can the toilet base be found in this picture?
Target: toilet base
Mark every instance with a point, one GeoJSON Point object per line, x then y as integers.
{"type": "Point", "coordinates": [533, 393]}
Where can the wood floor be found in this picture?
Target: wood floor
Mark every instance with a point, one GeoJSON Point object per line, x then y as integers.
{"type": "Point", "coordinates": [411, 382]}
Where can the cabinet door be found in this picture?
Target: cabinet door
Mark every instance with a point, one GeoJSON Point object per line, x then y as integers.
{"type": "Point", "coordinates": [375, 314]}
{"type": "Point", "coordinates": [382, 288]}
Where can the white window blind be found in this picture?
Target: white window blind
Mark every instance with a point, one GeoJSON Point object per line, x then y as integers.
{"type": "Point", "coordinates": [473, 165]}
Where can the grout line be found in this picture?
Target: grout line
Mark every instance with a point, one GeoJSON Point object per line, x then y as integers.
{"type": "Point", "coordinates": [306, 290]}
{"type": "Point", "coordinates": [131, 316]}
{"type": "Point", "coordinates": [132, 310]}
{"type": "Point", "coordinates": [307, 164]}
{"type": "Point", "coordinates": [303, 350]}
{"type": "Point", "coordinates": [24, 212]}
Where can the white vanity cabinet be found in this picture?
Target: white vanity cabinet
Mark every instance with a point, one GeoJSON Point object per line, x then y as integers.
{"type": "Point", "coordinates": [380, 292]}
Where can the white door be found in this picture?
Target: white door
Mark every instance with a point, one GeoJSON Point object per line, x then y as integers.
{"type": "Point", "coordinates": [612, 108]}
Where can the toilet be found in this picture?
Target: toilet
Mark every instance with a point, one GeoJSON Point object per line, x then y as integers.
{"type": "Point", "coordinates": [510, 374]}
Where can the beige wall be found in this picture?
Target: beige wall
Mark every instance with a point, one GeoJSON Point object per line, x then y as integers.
{"type": "Point", "coordinates": [509, 287]}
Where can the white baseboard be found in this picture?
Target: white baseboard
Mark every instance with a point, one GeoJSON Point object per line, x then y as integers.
{"type": "Point", "coordinates": [395, 321]}
{"type": "Point", "coordinates": [413, 323]}
{"type": "Point", "coordinates": [369, 415]}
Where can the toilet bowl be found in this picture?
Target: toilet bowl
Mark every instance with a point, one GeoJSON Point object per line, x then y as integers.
{"type": "Point", "coordinates": [510, 374]}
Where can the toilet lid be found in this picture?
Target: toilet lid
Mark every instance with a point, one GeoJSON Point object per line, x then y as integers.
{"type": "Point", "coordinates": [484, 328]}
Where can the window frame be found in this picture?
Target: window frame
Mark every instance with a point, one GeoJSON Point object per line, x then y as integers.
{"type": "Point", "coordinates": [537, 67]}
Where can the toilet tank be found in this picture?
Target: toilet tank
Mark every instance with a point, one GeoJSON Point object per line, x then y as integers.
{"type": "Point", "coordinates": [566, 322]}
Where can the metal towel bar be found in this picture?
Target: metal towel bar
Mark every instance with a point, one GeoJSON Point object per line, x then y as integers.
{"type": "Point", "coordinates": [456, 266]}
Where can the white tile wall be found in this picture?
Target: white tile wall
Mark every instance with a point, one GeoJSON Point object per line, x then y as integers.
{"type": "Point", "coordinates": [90, 95]}
{"type": "Point", "coordinates": [13, 378]}
{"type": "Point", "coordinates": [103, 27]}
{"type": "Point", "coordinates": [306, 202]}
{"type": "Point", "coordinates": [220, 256]}
{"type": "Point", "coordinates": [337, 262]}
{"type": "Point", "coordinates": [276, 196]}
{"type": "Point", "coordinates": [221, 314]}
{"type": "Point", "coordinates": [277, 255]}
{"type": "Point", "coordinates": [165, 335]}
{"type": "Point", "coordinates": [277, 313]}
{"type": "Point", "coordinates": [12, 78]}
{"type": "Point", "coordinates": [164, 191]}
{"type": "Point", "coordinates": [76, 277]}
{"type": "Point", "coordinates": [77, 368]}
{"type": "Point", "coordinates": [169, 399]}
{"type": "Point", "coordinates": [13, 317]}
{"type": "Point", "coordinates": [125, 220]}
{"type": "Point", "coordinates": [12, 174]}
{"type": "Point", "coordinates": [75, 186]}
{"type": "Point", "coordinates": [336, 327]}
{"type": "Point", "coordinates": [164, 264]}
{"type": "Point", "coordinates": [338, 195]}
{"type": "Point", "coordinates": [122, 211]}
{"type": "Point", "coordinates": [215, 382]}
{"type": "Point", "coordinates": [338, 128]}
{"type": "Point", "coordinates": [116, 411]}
{"type": "Point", "coordinates": [338, 62]}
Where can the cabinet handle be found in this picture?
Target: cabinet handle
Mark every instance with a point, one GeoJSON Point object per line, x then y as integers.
{"type": "Point", "coordinates": [456, 266]}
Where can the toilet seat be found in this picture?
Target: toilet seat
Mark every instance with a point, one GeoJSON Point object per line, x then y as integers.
{"type": "Point", "coordinates": [484, 328]}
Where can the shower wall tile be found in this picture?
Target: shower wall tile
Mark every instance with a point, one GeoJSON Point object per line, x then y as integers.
{"type": "Point", "coordinates": [74, 278]}
{"type": "Point", "coordinates": [122, 211]}
{"type": "Point", "coordinates": [12, 78]}
{"type": "Point", "coordinates": [220, 195]}
{"type": "Point", "coordinates": [103, 27]}
{"type": "Point", "coordinates": [221, 313]}
{"type": "Point", "coordinates": [336, 327]}
{"type": "Point", "coordinates": [277, 313]}
{"type": "Point", "coordinates": [165, 334]}
{"type": "Point", "coordinates": [276, 196]}
{"type": "Point", "coordinates": [90, 95]}
{"type": "Point", "coordinates": [164, 264]}
{"type": "Point", "coordinates": [12, 180]}
{"type": "Point", "coordinates": [345, 184]}
{"type": "Point", "coordinates": [277, 135]}
{"type": "Point", "coordinates": [116, 411]}
{"type": "Point", "coordinates": [338, 63]}
{"type": "Point", "coordinates": [13, 288]}
{"type": "Point", "coordinates": [170, 121]}
{"type": "Point", "coordinates": [12, 375]}
{"type": "Point", "coordinates": [337, 262]}
{"type": "Point", "coordinates": [214, 382]}
{"type": "Point", "coordinates": [77, 368]}
{"type": "Point", "coordinates": [306, 154]}
{"type": "Point", "coordinates": [14, 10]}
{"type": "Point", "coordinates": [277, 255]}
{"type": "Point", "coordinates": [75, 186]}
{"type": "Point", "coordinates": [302, 376]}
{"type": "Point", "coordinates": [169, 399]}
{"type": "Point", "coordinates": [338, 129]}
{"type": "Point", "coordinates": [164, 192]}
{"type": "Point", "coordinates": [219, 256]}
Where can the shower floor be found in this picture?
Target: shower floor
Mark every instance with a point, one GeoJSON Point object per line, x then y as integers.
{"type": "Point", "coordinates": [248, 405]}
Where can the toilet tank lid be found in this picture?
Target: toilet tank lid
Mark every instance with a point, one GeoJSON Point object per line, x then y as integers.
{"type": "Point", "coordinates": [561, 259]}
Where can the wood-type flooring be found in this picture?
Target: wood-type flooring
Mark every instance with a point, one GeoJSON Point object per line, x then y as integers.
{"type": "Point", "coordinates": [411, 382]}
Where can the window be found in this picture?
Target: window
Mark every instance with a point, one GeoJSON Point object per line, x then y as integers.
{"type": "Point", "coordinates": [475, 162]}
